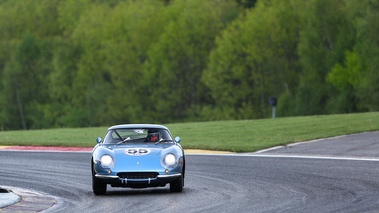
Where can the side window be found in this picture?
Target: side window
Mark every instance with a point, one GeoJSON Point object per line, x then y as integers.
{"type": "Point", "coordinates": [109, 137]}
{"type": "Point", "coordinates": [115, 138]}
{"type": "Point", "coordinates": [165, 135]}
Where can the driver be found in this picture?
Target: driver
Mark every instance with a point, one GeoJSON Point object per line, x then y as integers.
{"type": "Point", "coordinates": [152, 136]}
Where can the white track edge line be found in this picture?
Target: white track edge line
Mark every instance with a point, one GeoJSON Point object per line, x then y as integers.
{"type": "Point", "coordinates": [296, 156]}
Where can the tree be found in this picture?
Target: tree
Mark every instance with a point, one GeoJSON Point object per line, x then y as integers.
{"type": "Point", "coordinates": [90, 85]}
{"type": "Point", "coordinates": [177, 61]}
{"type": "Point", "coordinates": [255, 58]}
{"type": "Point", "coordinates": [24, 84]}
{"type": "Point", "coordinates": [132, 28]}
{"type": "Point", "coordinates": [322, 46]}
{"type": "Point", "coordinates": [69, 14]}
{"type": "Point", "coordinates": [25, 55]}
{"type": "Point", "coordinates": [368, 53]}
{"type": "Point", "coordinates": [247, 3]}
{"type": "Point", "coordinates": [346, 78]}
{"type": "Point", "coordinates": [59, 111]}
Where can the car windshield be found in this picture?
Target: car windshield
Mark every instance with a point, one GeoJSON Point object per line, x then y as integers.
{"type": "Point", "coordinates": [140, 135]}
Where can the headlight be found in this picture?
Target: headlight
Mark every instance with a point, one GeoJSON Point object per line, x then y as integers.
{"type": "Point", "coordinates": [107, 162]}
{"type": "Point", "coordinates": [169, 161]}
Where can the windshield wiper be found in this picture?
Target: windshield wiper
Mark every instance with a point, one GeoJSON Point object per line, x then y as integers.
{"type": "Point", "coordinates": [162, 140]}
{"type": "Point", "coordinates": [128, 139]}
{"type": "Point", "coordinates": [123, 141]}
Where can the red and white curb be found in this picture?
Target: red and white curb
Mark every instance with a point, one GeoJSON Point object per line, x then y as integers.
{"type": "Point", "coordinates": [30, 202]}
{"type": "Point", "coordinates": [46, 148]}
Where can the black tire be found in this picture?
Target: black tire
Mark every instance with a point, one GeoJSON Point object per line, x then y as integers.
{"type": "Point", "coordinates": [98, 187]}
{"type": "Point", "coordinates": [177, 185]}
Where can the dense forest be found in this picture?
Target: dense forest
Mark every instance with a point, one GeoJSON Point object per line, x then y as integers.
{"type": "Point", "coordinates": [77, 63]}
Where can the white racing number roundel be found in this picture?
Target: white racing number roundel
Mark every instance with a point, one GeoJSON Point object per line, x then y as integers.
{"type": "Point", "coordinates": [137, 151]}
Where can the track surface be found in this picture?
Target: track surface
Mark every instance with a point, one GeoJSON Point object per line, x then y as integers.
{"type": "Point", "coordinates": [266, 182]}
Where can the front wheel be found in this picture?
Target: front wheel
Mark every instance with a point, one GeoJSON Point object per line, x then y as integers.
{"type": "Point", "coordinates": [98, 187]}
{"type": "Point", "coordinates": [177, 185]}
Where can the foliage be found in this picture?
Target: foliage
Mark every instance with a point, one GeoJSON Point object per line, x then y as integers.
{"type": "Point", "coordinates": [78, 63]}
{"type": "Point", "coordinates": [181, 54]}
{"type": "Point", "coordinates": [247, 3]}
{"type": "Point", "coordinates": [23, 83]}
{"type": "Point", "coordinates": [255, 58]}
{"type": "Point", "coordinates": [368, 53]}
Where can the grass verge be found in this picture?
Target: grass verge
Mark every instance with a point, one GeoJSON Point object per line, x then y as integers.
{"type": "Point", "coordinates": [236, 136]}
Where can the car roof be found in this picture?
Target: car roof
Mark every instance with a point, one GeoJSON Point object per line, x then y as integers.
{"type": "Point", "coordinates": [137, 126]}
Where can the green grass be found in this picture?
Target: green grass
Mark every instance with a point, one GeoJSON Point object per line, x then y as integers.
{"type": "Point", "coordinates": [237, 136]}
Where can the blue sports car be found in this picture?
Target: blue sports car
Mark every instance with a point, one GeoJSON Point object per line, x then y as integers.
{"type": "Point", "coordinates": [137, 156]}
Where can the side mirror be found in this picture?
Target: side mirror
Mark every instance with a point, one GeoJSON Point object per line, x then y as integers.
{"type": "Point", "coordinates": [177, 139]}
{"type": "Point", "coordinates": [98, 140]}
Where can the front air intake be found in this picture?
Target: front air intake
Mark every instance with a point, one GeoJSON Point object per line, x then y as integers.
{"type": "Point", "coordinates": [138, 175]}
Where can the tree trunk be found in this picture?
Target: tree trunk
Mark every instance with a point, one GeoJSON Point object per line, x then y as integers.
{"type": "Point", "coordinates": [20, 109]}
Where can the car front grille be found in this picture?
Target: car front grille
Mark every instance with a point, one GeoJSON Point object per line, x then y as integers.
{"type": "Point", "coordinates": [138, 175]}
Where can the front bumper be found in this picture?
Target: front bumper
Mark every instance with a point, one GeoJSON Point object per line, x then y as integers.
{"type": "Point", "coordinates": [160, 180]}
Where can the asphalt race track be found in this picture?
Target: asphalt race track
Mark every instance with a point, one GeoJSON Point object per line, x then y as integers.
{"type": "Point", "coordinates": [333, 175]}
